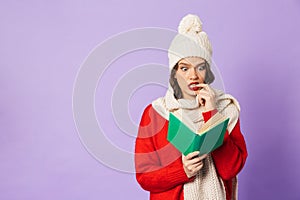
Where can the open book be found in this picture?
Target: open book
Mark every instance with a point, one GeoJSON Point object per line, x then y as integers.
{"type": "Point", "coordinates": [205, 140]}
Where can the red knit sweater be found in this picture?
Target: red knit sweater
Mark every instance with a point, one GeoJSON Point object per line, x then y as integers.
{"type": "Point", "coordinates": [159, 166]}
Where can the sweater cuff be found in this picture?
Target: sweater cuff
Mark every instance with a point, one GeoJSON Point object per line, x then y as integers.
{"type": "Point", "coordinates": [208, 114]}
{"type": "Point", "coordinates": [180, 175]}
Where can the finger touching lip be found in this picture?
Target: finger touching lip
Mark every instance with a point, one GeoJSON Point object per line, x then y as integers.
{"type": "Point", "coordinates": [195, 88]}
{"type": "Point", "coordinates": [202, 85]}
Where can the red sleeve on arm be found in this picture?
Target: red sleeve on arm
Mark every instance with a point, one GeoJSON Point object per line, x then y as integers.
{"type": "Point", "coordinates": [151, 174]}
{"type": "Point", "coordinates": [163, 179]}
{"type": "Point", "coordinates": [231, 156]}
{"type": "Point", "coordinates": [207, 115]}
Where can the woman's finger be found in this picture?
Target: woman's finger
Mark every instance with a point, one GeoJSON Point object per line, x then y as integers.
{"type": "Point", "coordinates": [193, 161]}
{"type": "Point", "coordinates": [197, 168]}
{"type": "Point", "coordinates": [192, 155]}
{"type": "Point", "coordinates": [194, 169]}
{"type": "Point", "coordinates": [203, 156]}
{"type": "Point", "coordinates": [203, 86]}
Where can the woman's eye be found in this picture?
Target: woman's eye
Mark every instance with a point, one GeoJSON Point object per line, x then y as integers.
{"type": "Point", "coordinates": [183, 68]}
{"type": "Point", "coordinates": [200, 68]}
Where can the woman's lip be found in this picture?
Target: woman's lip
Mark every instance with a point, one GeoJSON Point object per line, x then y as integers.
{"type": "Point", "coordinates": [194, 88]}
{"type": "Point", "coordinates": [194, 83]}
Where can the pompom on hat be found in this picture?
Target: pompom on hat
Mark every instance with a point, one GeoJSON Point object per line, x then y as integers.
{"type": "Point", "coordinates": [190, 41]}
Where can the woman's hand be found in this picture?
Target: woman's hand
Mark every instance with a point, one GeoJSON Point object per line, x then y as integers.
{"type": "Point", "coordinates": [192, 163]}
{"type": "Point", "coordinates": [207, 97]}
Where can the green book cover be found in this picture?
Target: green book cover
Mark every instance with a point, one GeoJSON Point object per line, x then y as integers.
{"type": "Point", "coordinates": [187, 141]}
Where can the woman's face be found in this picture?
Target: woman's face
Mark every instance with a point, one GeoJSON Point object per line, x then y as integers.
{"type": "Point", "coordinates": [191, 71]}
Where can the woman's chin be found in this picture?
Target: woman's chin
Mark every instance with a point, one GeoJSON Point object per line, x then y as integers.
{"type": "Point", "coordinates": [191, 95]}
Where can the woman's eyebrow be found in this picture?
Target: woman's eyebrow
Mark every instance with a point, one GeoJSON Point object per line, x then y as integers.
{"type": "Point", "coordinates": [200, 63]}
{"type": "Point", "coordinates": [183, 63]}
{"type": "Point", "coordinates": [186, 63]}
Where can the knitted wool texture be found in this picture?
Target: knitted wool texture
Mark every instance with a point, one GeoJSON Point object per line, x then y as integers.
{"type": "Point", "coordinates": [190, 41]}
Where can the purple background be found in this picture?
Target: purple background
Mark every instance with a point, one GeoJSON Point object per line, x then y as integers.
{"type": "Point", "coordinates": [256, 47]}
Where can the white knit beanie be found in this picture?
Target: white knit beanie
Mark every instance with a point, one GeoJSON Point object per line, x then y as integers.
{"type": "Point", "coordinates": [190, 41]}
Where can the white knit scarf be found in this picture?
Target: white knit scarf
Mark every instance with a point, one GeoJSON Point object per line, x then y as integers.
{"type": "Point", "coordinates": [207, 185]}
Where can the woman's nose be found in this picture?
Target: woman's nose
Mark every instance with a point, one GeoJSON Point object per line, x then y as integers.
{"type": "Point", "coordinates": [193, 74]}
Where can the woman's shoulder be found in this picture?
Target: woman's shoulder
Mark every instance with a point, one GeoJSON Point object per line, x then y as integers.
{"type": "Point", "coordinates": [153, 114]}
{"type": "Point", "coordinates": [228, 106]}
{"type": "Point", "coordinates": [224, 100]}
{"type": "Point", "coordinates": [159, 105]}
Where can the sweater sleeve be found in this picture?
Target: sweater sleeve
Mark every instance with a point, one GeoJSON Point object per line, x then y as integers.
{"type": "Point", "coordinates": [231, 156]}
{"type": "Point", "coordinates": [151, 173]}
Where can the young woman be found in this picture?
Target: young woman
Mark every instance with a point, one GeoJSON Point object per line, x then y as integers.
{"type": "Point", "coordinates": [160, 167]}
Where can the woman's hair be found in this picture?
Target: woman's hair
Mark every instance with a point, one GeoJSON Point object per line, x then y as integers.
{"type": "Point", "coordinates": [209, 78]}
